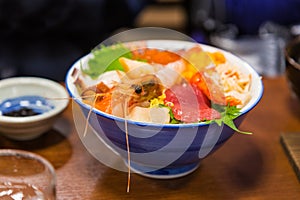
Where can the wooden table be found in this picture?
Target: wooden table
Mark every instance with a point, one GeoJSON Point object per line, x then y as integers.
{"type": "Point", "coordinates": [246, 167]}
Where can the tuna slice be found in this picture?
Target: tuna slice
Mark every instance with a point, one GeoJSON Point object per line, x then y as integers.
{"type": "Point", "coordinates": [189, 104]}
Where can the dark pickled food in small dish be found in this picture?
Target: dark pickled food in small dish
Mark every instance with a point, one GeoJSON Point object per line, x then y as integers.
{"type": "Point", "coordinates": [22, 112]}
{"type": "Point", "coordinates": [25, 106]}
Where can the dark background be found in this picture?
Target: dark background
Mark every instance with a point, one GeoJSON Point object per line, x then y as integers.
{"type": "Point", "coordinates": [45, 37]}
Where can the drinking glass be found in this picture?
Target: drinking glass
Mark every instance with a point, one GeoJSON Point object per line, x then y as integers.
{"type": "Point", "coordinates": [25, 175]}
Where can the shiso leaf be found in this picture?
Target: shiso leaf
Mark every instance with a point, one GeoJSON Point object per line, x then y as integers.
{"type": "Point", "coordinates": [228, 114]}
{"type": "Point", "coordinates": [106, 59]}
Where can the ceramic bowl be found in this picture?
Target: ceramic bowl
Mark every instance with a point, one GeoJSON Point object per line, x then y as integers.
{"type": "Point", "coordinates": [163, 150]}
{"type": "Point", "coordinates": [292, 58]}
{"type": "Point", "coordinates": [30, 95]}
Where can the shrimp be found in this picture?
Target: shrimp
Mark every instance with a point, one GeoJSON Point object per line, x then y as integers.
{"type": "Point", "coordinates": [129, 94]}
{"type": "Point", "coordinates": [136, 92]}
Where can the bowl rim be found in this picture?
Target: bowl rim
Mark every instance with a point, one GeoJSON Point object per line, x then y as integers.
{"type": "Point", "coordinates": [55, 86]}
{"type": "Point", "coordinates": [187, 125]}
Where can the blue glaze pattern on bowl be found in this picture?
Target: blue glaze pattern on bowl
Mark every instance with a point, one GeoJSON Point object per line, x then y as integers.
{"type": "Point", "coordinates": [161, 151]}
{"type": "Point", "coordinates": [37, 103]}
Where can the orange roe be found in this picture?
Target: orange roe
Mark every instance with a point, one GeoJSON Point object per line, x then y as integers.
{"type": "Point", "coordinates": [155, 56]}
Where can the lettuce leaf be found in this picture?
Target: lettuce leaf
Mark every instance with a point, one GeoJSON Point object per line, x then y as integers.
{"type": "Point", "coordinates": [106, 59]}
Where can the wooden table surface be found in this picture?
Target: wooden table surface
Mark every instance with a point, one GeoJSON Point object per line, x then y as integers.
{"type": "Point", "coordinates": [246, 167]}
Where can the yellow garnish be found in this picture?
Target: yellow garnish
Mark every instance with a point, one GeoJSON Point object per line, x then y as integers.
{"type": "Point", "coordinates": [217, 57]}
{"type": "Point", "coordinates": [189, 70]}
{"type": "Point", "coordinates": [159, 100]}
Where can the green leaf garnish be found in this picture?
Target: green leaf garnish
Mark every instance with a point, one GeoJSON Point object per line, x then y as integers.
{"type": "Point", "coordinates": [228, 114]}
{"type": "Point", "coordinates": [106, 59]}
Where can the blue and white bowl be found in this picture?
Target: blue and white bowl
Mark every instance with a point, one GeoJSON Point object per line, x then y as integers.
{"type": "Point", "coordinates": [163, 150]}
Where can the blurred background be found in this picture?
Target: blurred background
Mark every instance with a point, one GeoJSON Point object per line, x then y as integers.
{"type": "Point", "coordinates": [45, 37]}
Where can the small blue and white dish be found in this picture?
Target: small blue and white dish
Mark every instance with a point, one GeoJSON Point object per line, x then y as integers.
{"type": "Point", "coordinates": [28, 108]}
